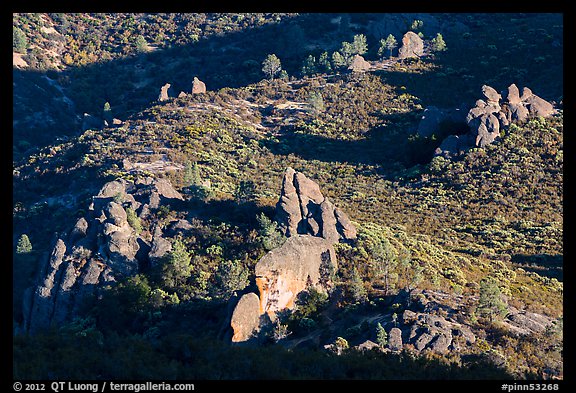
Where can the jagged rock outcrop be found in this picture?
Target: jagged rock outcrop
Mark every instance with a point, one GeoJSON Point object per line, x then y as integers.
{"type": "Point", "coordinates": [426, 330]}
{"type": "Point", "coordinates": [302, 209]}
{"type": "Point", "coordinates": [305, 260]}
{"type": "Point", "coordinates": [493, 113]}
{"type": "Point", "coordinates": [100, 248]}
{"type": "Point", "coordinates": [521, 322]}
{"type": "Point", "coordinates": [412, 46]}
{"type": "Point", "coordinates": [359, 64]}
{"type": "Point", "coordinates": [198, 87]}
{"type": "Point", "coordinates": [163, 96]}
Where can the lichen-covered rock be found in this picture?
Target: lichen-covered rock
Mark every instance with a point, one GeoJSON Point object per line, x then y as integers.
{"type": "Point", "coordinates": [245, 320]}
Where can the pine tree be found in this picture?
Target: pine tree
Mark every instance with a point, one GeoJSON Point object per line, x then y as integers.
{"type": "Point", "coordinates": [309, 66]}
{"type": "Point", "coordinates": [24, 245]}
{"type": "Point", "coordinates": [381, 336]}
{"type": "Point", "coordinates": [490, 303]}
{"type": "Point", "coordinates": [324, 62]}
{"type": "Point", "coordinates": [141, 44]}
{"type": "Point", "coordinates": [389, 43]}
{"type": "Point", "coordinates": [316, 102]}
{"type": "Point", "coordinates": [438, 44]}
{"type": "Point", "coordinates": [338, 61]}
{"type": "Point", "coordinates": [269, 233]}
{"type": "Point", "coordinates": [271, 66]}
{"type": "Point", "coordinates": [359, 44]}
{"type": "Point", "coordinates": [356, 287]}
{"type": "Point", "coordinates": [177, 266]}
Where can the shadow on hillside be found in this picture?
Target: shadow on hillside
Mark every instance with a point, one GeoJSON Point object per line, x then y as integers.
{"type": "Point", "coordinates": [132, 84]}
{"type": "Point", "coordinates": [546, 265]}
{"type": "Point", "coordinates": [385, 144]}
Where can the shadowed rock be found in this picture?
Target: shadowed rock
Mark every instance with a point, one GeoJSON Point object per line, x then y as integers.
{"type": "Point", "coordinates": [100, 248]}
{"type": "Point", "coordinates": [246, 318]}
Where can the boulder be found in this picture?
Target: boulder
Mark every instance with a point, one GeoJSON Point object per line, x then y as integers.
{"type": "Point", "coordinates": [198, 87]}
{"type": "Point", "coordinates": [538, 107]}
{"type": "Point", "coordinates": [359, 64]}
{"type": "Point", "coordinates": [245, 320]}
{"type": "Point", "coordinates": [430, 121]}
{"type": "Point", "coordinates": [513, 95]}
{"type": "Point", "coordinates": [492, 96]}
{"type": "Point", "coordinates": [163, 96]}
{"type": "Point", "coordinates": [286, 271]}
{"type": "Point", "coordinates": [412, 46]}
{"type": "Point", "coordinates": [454, 145]}
{"type": "Point", "coordinates": [395, 339]}
{"type": "Point", "coordinates": [302, 209]}
{"type": "Point", "coordinates": [367, 345]}
{"type": "Point", "coordinates": [160, 245]}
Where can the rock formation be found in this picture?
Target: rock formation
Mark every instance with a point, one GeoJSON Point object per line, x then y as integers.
{"type": "Point", "coordinates": [305, 260]}
{"type": "Point", "coordinates": [163, 96]}
{"type": "Point", "coordinates": [493, 113]}
{"type": "Point", "coordinates": [302, 209]}
{"type": "Point", "coordinates": [198, 87]}
{"type": "Point", "coordinates": [359, 64]}
{"type": "Point", "coordinates": [412, 46]}
{"type": "Point", "coordinates": [99, 249]}
{"type": "Point", "coordinates": [302, 262]}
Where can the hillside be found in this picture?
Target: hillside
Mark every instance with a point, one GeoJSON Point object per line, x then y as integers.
{"type": "Point", "coordinates": [148, 231]}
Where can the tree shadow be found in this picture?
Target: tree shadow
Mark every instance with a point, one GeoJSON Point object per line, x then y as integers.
{"type": "Point", "coordinates": [547, 265]}
{"type": "Point", "coordinates": [386, 145]}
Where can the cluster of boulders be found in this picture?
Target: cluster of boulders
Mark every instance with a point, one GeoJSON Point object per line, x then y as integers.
{"type": "Point", "coordinates": [101, 248]}
{"type": "Point", "coordinates": [312, 225]}
{"type": "Point", "coordinates": [483, 123]}
{"type": "Point", "coordinates": [198, 87]}
{"type": "Point", "coordinates": [429, 323]}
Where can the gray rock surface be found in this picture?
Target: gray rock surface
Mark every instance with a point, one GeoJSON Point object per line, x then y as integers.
{"type": "Point", "coordinates": [100, 248]}
{"type": "Point", "coordinates": [395, 339]}
{"type": "Point", "coordinates": [302, 209]}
